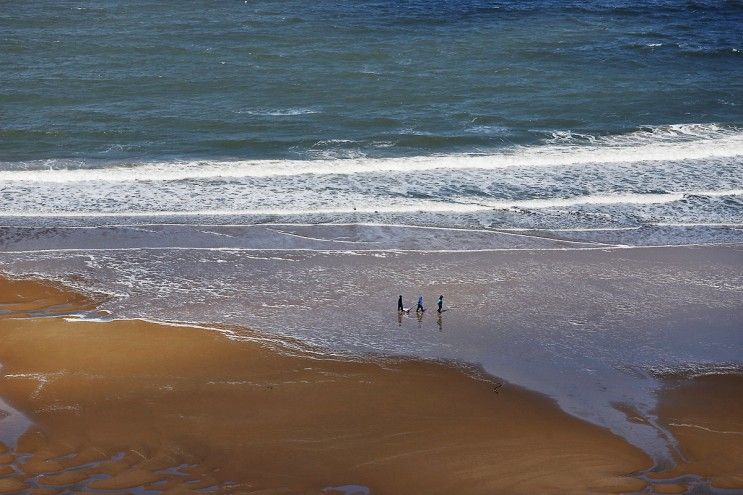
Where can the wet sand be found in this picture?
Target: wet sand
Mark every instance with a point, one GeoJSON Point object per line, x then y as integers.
{"type": "Point", "coordinates": [128, 404]}
{"type": "Point", "coordinates": [705, 414]}
{"type": "Point", "coordinates": [29, 298]}
{"type": "Point", "coordinates": [586, 326]}
{"type": "Point", "coordinates": [133, 405]}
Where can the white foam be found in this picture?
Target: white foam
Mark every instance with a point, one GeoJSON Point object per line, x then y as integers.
{"type": "Point", "coordinates": [596, 199]}
{"type": "Point", "coordinates": [667, 143]}
{"type": "Point", "coordinates": [277, 112]}
{"type": "Point", "coordinates": [408, 207]}
{"type": "Point", "coordinates": [698, 224]}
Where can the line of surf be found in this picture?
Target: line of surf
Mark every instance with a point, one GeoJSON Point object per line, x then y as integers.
{"type": "Point", "coordinates": [667, 144]}
{"type": "Point", "coordinates": [420, 206]}
{"type": "Point", "coordinates": [360, 252]}
{"type": "Point", "coordinates": [138, 226]}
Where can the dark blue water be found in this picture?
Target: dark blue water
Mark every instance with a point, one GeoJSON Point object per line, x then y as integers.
{"type": "Point", "coordinates": [291, 79]}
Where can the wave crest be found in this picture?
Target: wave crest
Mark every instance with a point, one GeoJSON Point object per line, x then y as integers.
{"type": "Point", "coordinates": [670, 143]}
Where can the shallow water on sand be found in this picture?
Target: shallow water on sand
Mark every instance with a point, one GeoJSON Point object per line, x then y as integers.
{"type": "Point", "coordinates": [585, 322]}
{"type": "Point", "coordinates": [13, 424]}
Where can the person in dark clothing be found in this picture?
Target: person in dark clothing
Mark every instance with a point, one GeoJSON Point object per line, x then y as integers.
{"type": "Point", "coordinates": [440, 303]}
{"type": "Point", "coordinates": [399, 304]}
{"type": "Point", "coordinates": [420, 307]}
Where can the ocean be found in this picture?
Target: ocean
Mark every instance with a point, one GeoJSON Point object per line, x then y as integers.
{"type": "Point", "coordinates": [292, 166]}
{"type": "Point", "coordinates": [537, 114]}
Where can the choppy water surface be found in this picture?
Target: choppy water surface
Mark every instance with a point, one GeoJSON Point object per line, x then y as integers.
{"type": "Point", "coordinates": [512, 114]}
{"type": "Point", "coordinates": [290, 79]}
{"type": "Point", "coordinates": [181, 157]}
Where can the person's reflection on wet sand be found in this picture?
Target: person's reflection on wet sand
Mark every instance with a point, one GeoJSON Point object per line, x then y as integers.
{"type": "Point", "coordinates": [440, 323]}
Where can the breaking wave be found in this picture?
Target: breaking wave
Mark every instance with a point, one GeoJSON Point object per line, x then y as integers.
{"type": "Point", "coordinates": [675, 143]}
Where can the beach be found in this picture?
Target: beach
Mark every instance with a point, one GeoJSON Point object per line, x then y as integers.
{"type": "Point", "coordinates": [210, 215]}
{"type": "Point", "coordinates": [589, 323]}
{"type": "Point", "coordinates": [130, 403]}
{"type": "Point", "coordinates": [136, 400]}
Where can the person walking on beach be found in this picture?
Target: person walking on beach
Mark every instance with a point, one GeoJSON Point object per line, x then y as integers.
{"type": "Point", "coordinates": [399, 304]}
{"type": "Point", "coordinates": [440, 303]}
{"type": "Point", "coordinates": [420, 307]}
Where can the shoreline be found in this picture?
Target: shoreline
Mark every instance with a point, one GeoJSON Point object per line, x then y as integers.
{"type": "Point", "coordinates": [394, 425]}
{"type": "Point", "coordinates": [587, 328]}
{"type": "Point", "coordinates": [555, 439]}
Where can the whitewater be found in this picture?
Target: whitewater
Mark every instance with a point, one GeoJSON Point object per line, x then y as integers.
{"type": "Point", "coordinates": [663, 175]}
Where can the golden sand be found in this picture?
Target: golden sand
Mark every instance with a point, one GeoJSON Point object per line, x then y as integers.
{"type": "Point", "coordinates": [130, 404]}
{"type": "Point", "coordinates": [25, 298]}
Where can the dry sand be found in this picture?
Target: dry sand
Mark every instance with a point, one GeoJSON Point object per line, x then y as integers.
{"type": "Point", "coordinates": [128, 404]}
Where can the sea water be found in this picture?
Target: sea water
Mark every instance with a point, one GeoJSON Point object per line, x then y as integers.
{"type": "Point", "coordinates": [571, 114]}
